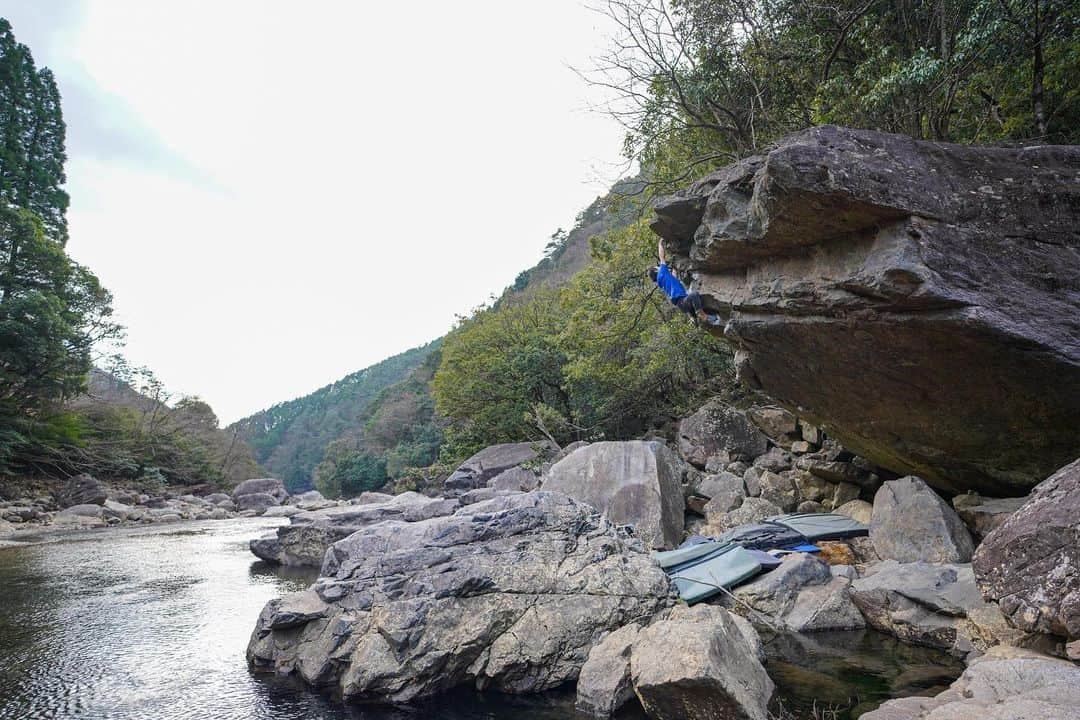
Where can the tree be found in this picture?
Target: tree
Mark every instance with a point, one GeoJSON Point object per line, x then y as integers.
{"type": "Point", "coordinates": [32, 137]}
{"type": "Point", "coordinates": [52, 312]}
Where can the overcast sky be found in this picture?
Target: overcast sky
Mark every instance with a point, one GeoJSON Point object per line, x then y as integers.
{"type": "Point", "coordinates": [281, 193]}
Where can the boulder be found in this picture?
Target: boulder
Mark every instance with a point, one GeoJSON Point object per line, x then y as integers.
{"type": "Point", "coordinates": [281, 511]}
{"type": "Point", "coordinates": [983, 515]}
{"type": "Point", "coordinates": [218, 498]}
{"type": "Point", "coordinates": [773, 593]}
{"type": "Point", "coordinates": [82, 489]}
{"type": "Point", "coordinates": [86, 510]}
{"type": "Point", "coordinates": [309, 496]}
{"type": "Point", "coordinates": [824, 606]}
{"type": "Point", "coordinates": [1030, 564]}
{"type": "Point", "coordinates": [633, 483]}
{"type": "Point", "coordinates": [937, 605]}
{"type": "Point", "coordinates": [780, 490]}
{"type": "Point", "coordinates": [308, 536]}
{"type": "Point", "coordinates": [1006, 683]}
{"type": "Point", "coordinates": [781, 426]}
{"type": "Point", "coordinates": [911, 522]}
{"type": "Point", "coordinates": [271, 487]}
{"type": "Point", "coordinates": [700, 664]}
{"type": "Point", "coordinates": [717, 427]}
{"type": "Point", "coordinates": [259, 502]}
{"type": "Point", "coordinates": [508, 594]}
{"type": "Point", "coordinates": [858, 510]}
{"type": "Point", "coordinates": [751, 510]}
{"type": "Point", "coordinates": [604, 683]}
{"type": "Point", "coordinates": [491, 461]}
{"type": "Point", "coordinates": [516, 478]}
{"type": "Point", "coordinates": [920, 299]}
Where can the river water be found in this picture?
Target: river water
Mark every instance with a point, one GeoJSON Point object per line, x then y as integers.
{"type": "Point", "coordinates": [151, 623]}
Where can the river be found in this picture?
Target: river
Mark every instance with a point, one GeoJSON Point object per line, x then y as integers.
{"type": "Point", "coordinates": [151, 623]}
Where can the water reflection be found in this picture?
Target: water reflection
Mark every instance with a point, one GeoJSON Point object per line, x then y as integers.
{"type": "Point", "coordinates": [152, 622]}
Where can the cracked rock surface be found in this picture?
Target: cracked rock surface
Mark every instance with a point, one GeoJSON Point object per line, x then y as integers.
{"type": "Point", "coordinates": [510, 593]}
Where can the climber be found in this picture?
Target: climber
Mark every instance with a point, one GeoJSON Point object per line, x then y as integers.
{"type": "Point", "coordinates": [688, 302]}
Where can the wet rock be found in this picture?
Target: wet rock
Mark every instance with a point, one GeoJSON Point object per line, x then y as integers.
{"type": "Point", "coordinates": [604, 684]}
{"type": "Point", "coordinates": [699, 664]}
{"type": "Point", "coordinates": [843, 250]}
{"type": "Point", "coordinates": [1031, 564]}
{"type": "Point", "coordinates": [492, 461]}
{"type": "Point", "coordinates": [508, 594]}
{"type": "Point", "coordinates": [82, 489]}
{"type": "Point", "coordinates": [911, 522]}
{"type": "Point", "coordinates": [718, 427]}
{"type": "Point", "coordinates": [1004, 684]}
{"type": "Point", "coordinates": [633, 483]}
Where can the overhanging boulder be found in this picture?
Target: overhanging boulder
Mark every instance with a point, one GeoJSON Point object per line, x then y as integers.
{"type": "Point", "coordinates": [919, 300]}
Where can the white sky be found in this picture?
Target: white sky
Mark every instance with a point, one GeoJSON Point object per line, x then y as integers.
{"type": "Point", "coordinates": [281, 193]}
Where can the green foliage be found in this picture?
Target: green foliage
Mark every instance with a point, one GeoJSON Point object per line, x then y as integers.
{"type": "Point", "coordinates": [291, 438]}
{"type": "Point", "coordinates": [348, 471]}
{"type": "Point", "coordinates": [32, 134]}
{"type": "Point", "coordinates": [52, 312]}
{"type": "Point", "coordinates": [699, 83]}
{"type": "Point", "coordinates": [605, 356]}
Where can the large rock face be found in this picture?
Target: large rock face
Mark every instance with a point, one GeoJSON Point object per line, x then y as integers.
{"type": "Point", "coordinates": [633, 483]}
{"type": "Point", "coordinates": [509, 593]}
{"type": "Point", "coordinates": [1031, 564]}
{"type": "Point", "coordinates": [919, 300]}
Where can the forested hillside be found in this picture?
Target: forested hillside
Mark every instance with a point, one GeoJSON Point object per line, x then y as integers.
{"type": "Point", "coordinates": [290, 438]}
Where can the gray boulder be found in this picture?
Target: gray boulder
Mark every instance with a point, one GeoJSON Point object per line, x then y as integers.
{"type": "Point", "coordinates": [858, 510]}
{"type": "Point", "coordinates": [86, 510]}
{"type": "Point", "coordinates": [516, 478]}
{"type": "Point", "coordinates": [841, 251]}
{"type": "Point", "coordinates": [1006, 683]}
{"type": "Point", "coordinates": [269, 487]}
{"type": "Point", "coordinates": [1030, 565]}
{"type": "Point", "coordinates": [700, 664]}
{"type": "Point", "coordinates": [751, 510]}
{"type": "Point", "coordinates": [937, 605]}
{"type": "Point", "coordinates": [912, 523]}
{"type": "Point", "coordinates": [781, 426]}
{"type": "Point", "coordinates": [82, 489]}
{"type": "Point", "coordinates": [633, 483]}
{"type": "Point", "coordinates": [308, 536]}
{"type": "Point", "coordinates": [717, 427]}
{"type": "Point", "coordinates": [773, 593]}
{"type": "Point", "coordinates": [509, 594]}
{"type": "Point", "coordinates": [604, 684]}
{"type": "Point", "coordinates": [984, 515]}
{"type": "Point", "coordinates": [491, 461]}
{"type": "Point", "coordinates": [825, 606]}
{"type": "Point", "coordinates": [259, 502]}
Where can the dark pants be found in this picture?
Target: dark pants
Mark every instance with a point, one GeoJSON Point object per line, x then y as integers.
{"type": "Point", "coordinates": [690, 304]}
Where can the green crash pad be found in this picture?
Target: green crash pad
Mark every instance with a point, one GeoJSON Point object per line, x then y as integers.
{"type": "Point", "coordinates": [699, 572]}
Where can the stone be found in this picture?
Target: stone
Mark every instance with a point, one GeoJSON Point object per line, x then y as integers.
{"type": "Point", "coordinates": [801, 447]}
{"type": "Point", "coordinates": [261, 486]}
{"type": "Point", "coordinates": [259, 502]}
{"type": "Point", "coordinates": [776, 422]}
{"type": "Point", "coordinates": [82, 489]}
{"type": "Point", "coordinates": [811, 487]}
{"type": "Point", "coordinates": [780, 490]}
{"type": "Point", "coordinates": [218, 498]}
{"type": "Point", "coordinates": [776, 459]}
{"type": "Point", "coordinates": [88, 510]}
{"type": "Point", "coordinates": [509, 594]}
{"type": "Point", "coordinates": [716, 463]}
{"type": "Point", "coordinates": [835, 471]}
{"type": "Point", "coordinates": [924, 604]}
{"type": "Point", "coordinates": [309, 496]}
{"type": "Point", "coordinates": [911, 522]}
{"type": "Point", "coordinates": [845, 493]}
{"type": "Point", "coordinates": [983, 515]}
{"type": "Point", "coordinates": [836, 552]}
{"type": "Point", "coordinates": [516, 478]}
{"type": "Point", "coordinates": [699, 665]}
{"type": "Point", "coordinates": [918, 298]}
{"type": "Point", "coordinates": [370, 497]}
{"type": "Point", "coordinates": [309, 534]}
{"type": "Point", "coordinates": [604, 684]}
{"type": "Point", "coordinates": [492, 461]}
{"type": "Point", "coordinates": [752, 480]}
{"type": "Point", "coordinates": [1005, 683]}
{"type": "Point", "coordinates": [810, 433]}
{"type": "Point", "coordinates": [1030, 565]}
{"type": "Point", "coordinates": [824, 606]}
{"type": "Point", "coordinates": [751, 510]}
{"type": "Point", "coordinates": [809, 506]}
{"type": "Point", "coordinates": [282, 511]}
{"type": "Point", "coordinates": [718, 427]}
{"type": "Point", "coordinates": [773, 593]}
{"type": "Point", "coordinates": [633, 483]}
{"type": "Point", "coordinates": [858, 510]}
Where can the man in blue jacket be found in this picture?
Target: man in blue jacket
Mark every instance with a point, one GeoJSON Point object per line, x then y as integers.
{"type": "Point", "coordinates": [688, 302]}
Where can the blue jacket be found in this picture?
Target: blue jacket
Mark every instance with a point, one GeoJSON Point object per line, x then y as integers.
{"type": "Point", "coordinates": [670, 284]}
